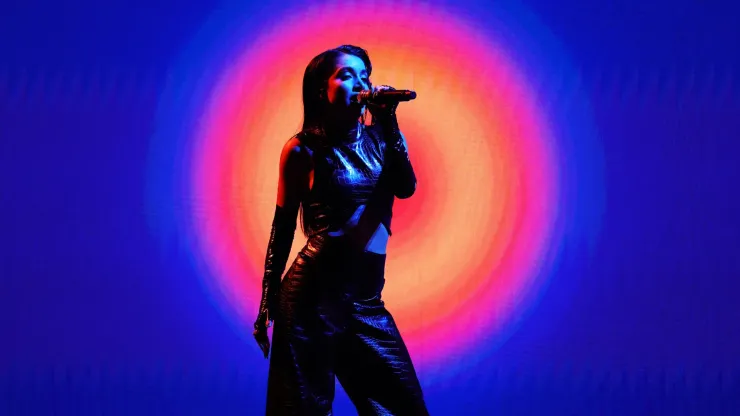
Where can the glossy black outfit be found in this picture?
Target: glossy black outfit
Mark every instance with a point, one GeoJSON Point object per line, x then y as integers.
{"type": "Point", "coordinates": [330, 318]}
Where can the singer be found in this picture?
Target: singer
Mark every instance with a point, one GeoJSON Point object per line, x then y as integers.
{"type": "Point", "coordinates": [342, 175]}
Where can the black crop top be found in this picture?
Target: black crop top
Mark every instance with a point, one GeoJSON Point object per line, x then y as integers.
{"type": "Point", "coordinates": [346, 176]}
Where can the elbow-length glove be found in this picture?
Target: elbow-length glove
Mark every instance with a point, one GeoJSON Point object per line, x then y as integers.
{"type": "Point", "coordinates": [403, 178]}
{"type": "Point", "coordinates": [278, 250]}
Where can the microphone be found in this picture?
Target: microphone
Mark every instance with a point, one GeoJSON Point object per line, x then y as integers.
{"type": "Point", "coordinates": [384, 96]}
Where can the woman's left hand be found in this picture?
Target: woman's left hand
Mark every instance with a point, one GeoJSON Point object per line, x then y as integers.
{"type": "Point", "coordinates": [383, 112]}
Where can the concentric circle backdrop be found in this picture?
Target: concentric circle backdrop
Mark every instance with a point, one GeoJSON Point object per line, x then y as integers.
{"type": "Point", "coordinates": [470, 250]}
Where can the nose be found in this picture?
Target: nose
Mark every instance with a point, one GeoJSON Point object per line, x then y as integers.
{"type": "Point", "coordinates": [361, 85]}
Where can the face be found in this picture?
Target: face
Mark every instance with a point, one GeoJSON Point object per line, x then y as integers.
{"type": "Point", "coordinates": [349, 77]}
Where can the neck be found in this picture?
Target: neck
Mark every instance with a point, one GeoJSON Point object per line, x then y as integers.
{"type": "Point", "coordinates": [344, 131]}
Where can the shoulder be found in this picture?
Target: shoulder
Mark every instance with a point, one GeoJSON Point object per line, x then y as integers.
{"type": "Point", "coordinates": [293, 145]}
{"type": "Point", "coordinates": [295, 152]}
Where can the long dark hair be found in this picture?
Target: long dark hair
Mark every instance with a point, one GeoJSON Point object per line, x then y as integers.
{"type": "Point", "coordinates": [315, 80]}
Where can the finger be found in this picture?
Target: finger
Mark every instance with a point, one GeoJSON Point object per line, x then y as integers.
{"type": "Point", "coordinates": [266, 347]}
{"type": "Point", "coordinates": [262, 341]}
{"type": "Point", "coordinates": [261, 344]}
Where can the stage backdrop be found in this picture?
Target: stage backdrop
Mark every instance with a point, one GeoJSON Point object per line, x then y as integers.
{"type": "Point", "coordinates": [572, 248]}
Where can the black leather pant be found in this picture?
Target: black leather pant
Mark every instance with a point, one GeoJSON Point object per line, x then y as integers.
{"type": "Point", "coordinates": [332, 322]}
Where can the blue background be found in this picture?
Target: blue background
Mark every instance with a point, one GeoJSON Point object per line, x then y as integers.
{"type": "Point", "coordinates": [96, 317]}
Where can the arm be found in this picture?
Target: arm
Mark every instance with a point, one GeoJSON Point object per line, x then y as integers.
{"type": "Point", "coordinates": [401, 172]}
{"type": "Point", "coordinates": [402, 176]}
{"type": "Point", "coordinates": [292, 184]}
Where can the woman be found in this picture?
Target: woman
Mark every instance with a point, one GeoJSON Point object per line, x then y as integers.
{"type": "Point", "coordinates": [328, 313]}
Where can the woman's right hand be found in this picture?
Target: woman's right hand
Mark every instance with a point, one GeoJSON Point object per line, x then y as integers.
{"type": "Point", "coordinates": [260, 333]}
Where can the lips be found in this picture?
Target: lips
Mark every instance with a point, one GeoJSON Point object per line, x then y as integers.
{"type": "Point", "coordinates": [353, 101]}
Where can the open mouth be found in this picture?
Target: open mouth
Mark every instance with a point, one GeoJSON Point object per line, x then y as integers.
{"type": "Point", "coordinates": [354, 98]}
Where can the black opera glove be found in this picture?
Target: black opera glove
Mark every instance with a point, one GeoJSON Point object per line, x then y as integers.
{"type": "Point", "coordinates": [397, 156]}
{"type": "Point", "coordinates": [278, 250]}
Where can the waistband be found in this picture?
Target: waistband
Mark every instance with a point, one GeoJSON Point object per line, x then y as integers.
{"type": "Point", "coordinates": [356, 274]}
{"type": "Point", "coordinates": [324, 242]}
